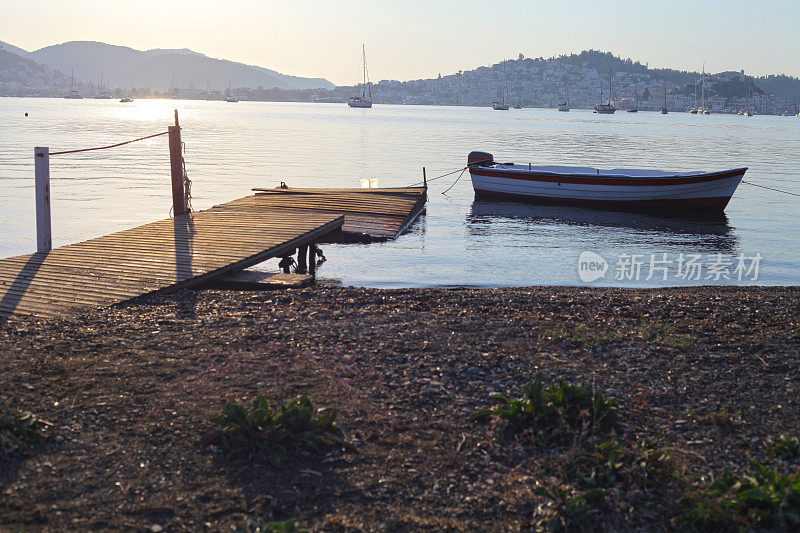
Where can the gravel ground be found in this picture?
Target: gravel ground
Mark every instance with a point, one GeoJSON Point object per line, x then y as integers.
{"type": "Point", "coordinates": [710, 371]}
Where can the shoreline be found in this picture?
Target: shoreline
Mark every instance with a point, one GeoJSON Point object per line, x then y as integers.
{"type": "Point", "coordinates": [712, 371]}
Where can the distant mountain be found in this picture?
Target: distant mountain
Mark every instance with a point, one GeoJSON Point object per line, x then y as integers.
{"type": "Point", "coordinates": [120, 66]}
{"type": "Point", "coordinates": [14, 49]}
{"type": "Point", "coordinates": [24, 77]}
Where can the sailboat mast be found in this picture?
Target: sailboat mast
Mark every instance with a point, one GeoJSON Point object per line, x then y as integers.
{"type": "Point", "coordinates": [364, 68]}
{"type": "Point", "coordinates": [703, 85]}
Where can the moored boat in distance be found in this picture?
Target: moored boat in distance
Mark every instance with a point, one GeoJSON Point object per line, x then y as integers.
{"type": "Point", "coordinates": [126, 100]}
{"type": "Point", "coordinates": [73, 94]}
{"type": "Point", "coordinates": [632, 189]}
{"type": "Point", "coordinates": [605, 109]}
{"type": "Point", "coordinates": [499, 106]}
{"type": "Point", "coordinates": [563, 106]}
{"type": "Point", "coordinates": [365, 100]}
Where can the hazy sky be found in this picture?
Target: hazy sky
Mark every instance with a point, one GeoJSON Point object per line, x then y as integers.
{"type": "Point", "coordinates": [409, 39]}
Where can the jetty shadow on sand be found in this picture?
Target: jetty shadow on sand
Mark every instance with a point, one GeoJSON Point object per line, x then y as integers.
{"type": "Point", "coordinates": [19, 286]}
{"type": "Point", "coordinates": [183, 233]}
{"type": "Point", "coordinates": [712, 232]}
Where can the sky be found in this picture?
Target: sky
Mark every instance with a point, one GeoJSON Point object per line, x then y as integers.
{"type": "Point", "coordinates": [411, 39]}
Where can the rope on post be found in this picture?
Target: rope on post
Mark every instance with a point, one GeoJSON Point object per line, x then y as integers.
{"type": "Point", "coordinates": [426, 180]}
{"type": "Point", "coordinates": [109, 146]}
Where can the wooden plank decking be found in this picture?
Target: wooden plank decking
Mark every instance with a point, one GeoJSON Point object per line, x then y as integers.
{"type": "Point", "coordinates": [180, 252]}
{"type": "Point", "coordinates": [372, 214]}
{"type": "Point", "coordinates": [192, 249]}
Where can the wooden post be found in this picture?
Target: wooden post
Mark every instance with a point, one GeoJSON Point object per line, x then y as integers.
{"type": "Point", "coordinates": [312, 259]}
{"type": "Point", "coordinates": [424, 178]}
{"type": "Point", "coordinates": [302, 252]}
{"type": "Point", "coordinates": [44, 241]}
{"type": "Point", "coordinates": [176, 168]}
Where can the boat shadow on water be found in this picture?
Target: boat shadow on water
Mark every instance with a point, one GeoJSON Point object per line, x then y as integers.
{"type": "Point", "coordinates": [710, 233]}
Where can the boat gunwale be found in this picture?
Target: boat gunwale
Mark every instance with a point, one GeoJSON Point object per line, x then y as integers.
{"type": "Point", "coordinates": [605, 179]}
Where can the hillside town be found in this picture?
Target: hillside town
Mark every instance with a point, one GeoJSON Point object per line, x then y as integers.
{"type": "Point", "coordinates": [579, 81]}
{"type": "Point", "coordinates": [547, 83]}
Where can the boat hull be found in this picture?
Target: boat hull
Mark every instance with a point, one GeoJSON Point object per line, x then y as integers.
{"type": "Point", "coordinates": [696, 192]}
{"type": "Point", "coordinates": [360, 103]}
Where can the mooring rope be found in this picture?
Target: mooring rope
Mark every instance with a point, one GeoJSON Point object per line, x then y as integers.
{"type": "Point", "coordinates": [442, 176]}
{"type": "Point", "coordinates": [454, 183]}
{"type": "Point", "coordinates": [109, 146]}
{"type": "Point", "coordinates": [770, 188]}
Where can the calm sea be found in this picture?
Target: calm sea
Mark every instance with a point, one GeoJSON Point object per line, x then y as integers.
{"type": "Point", "coordinates": [232, 147]}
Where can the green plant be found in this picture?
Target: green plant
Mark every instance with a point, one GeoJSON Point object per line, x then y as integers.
{"type": "Point", "coordinates": [614, 464]}
{"type": "Point", "coordinates": [18, 428]}
{"type": "Point", "coordinates": [579, 335]}
{"type": "Point", "coordinates": [784, 446]}
{"type": "Point", "coordinates": [759, 499]}
{"type": "Point", "coordinates": [571, 511]}
{"type": "Point", "coordinates": [277, 433]}
{"type": "Point", "coordinates": [553, 414]}
{"type": "Point", "coordinates": [256, 524]}
{"type": "Point", "coordinates": [665, 334]}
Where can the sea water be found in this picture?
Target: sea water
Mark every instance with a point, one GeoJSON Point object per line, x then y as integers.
{"type": "Point", "coordinates": [232, 147]}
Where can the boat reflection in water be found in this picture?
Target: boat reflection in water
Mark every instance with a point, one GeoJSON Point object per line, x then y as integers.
{"type": "Point", "coordinates": [600, 228]}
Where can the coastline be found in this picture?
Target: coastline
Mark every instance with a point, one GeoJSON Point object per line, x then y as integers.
{"type": "Point", "coordinates": [711, 371]}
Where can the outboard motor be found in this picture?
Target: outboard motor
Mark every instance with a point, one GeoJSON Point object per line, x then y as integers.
{"type": "Point", "coordinates": [480, 158]}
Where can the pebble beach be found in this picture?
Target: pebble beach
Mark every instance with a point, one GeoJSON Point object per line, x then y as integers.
{"type": "Point", "coordinates": [129, 391]}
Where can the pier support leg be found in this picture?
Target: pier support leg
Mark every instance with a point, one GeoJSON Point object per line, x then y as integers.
{"type": "Point", "coordinates": [44, 241]}
{"type": "Point", "coordinates": [302, 252]}
{"type": "Point", "coordinates": [176, 168]}
{"type": "Point", "coordinates": [312, 259]}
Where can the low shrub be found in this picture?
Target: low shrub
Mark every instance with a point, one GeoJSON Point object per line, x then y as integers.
{"type": "Point", "coordinates": [784, 446]}
{"type": "Point", "coordinates": [553, 414]}
{"type": "Point", "coordinates": [760, 499]}
{"type": "Point", "coordinates": [609, 477]}
{"type": "Point", "coordinates": [289, 429]}
{"type": "Point", "coordinates": [17, 429]}
{"type": "Point", "coordinates": [615, 464]}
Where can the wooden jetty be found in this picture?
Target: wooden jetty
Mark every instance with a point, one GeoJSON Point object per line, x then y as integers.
{"type": "Point", "coordinates": [194, 248]}
{"type": "Point", "coordinates": [369, 214]}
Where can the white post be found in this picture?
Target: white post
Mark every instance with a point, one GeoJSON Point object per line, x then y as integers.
{"type": "Point", "coordinates": [44, 242]}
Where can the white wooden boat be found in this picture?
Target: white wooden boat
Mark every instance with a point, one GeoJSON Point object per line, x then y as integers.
{"type": "Point", "coordinates": [618, 188]}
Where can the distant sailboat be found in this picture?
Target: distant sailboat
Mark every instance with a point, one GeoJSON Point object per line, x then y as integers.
{"type": "Point", "coordinates": [502, 105]}
{"type": "Point", "coordinates": [230, 98]}
{"type": "Point", "coordinates": [747, 95]}
{"type": "Point", "coordinates": [693, 110]}
{"type": "Point", "coordinates": [365, 100]}
{"type": "Point", "coordinates": [73, 94]}
{"type": "Point", "coordinates": [103, 94]}
{"type": "Point", "coordinates": [664, 109]}
{"type": "Point", "coordinates": [607, 108]}
{"type": "Point", "coordinates": [703, 109]}
{"type": "Point", "coordinates": [564, 106]}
